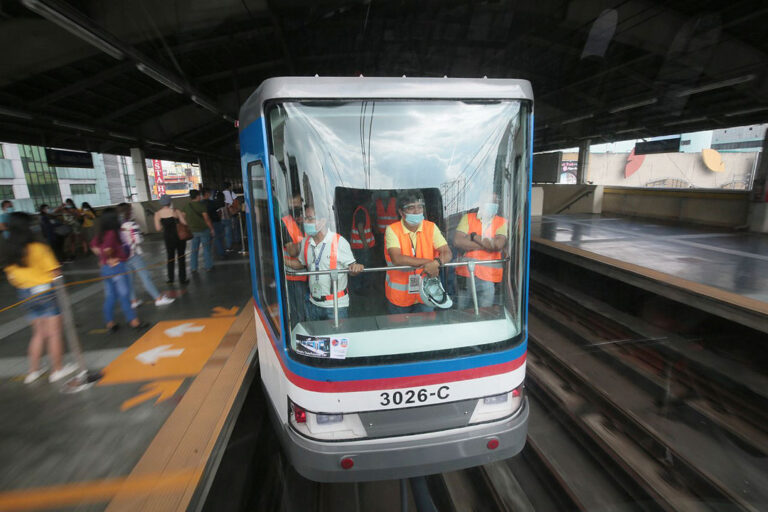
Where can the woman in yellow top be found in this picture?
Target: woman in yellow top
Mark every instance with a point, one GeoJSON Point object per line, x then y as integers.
{"type": "Point", "coordinates": [89, 219]}
{"type": "Point", "coordinates": [31, 267]}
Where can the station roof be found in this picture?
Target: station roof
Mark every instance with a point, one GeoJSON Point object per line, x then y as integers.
{"type": "Point", "coordinates": [170, 76]}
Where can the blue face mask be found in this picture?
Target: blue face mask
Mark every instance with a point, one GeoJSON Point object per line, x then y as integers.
{"type": "Point", "coordinates": [489, 210]}
{"type": "Point", "coordinates": [9, 209]}
{"type": "Point", "coordinates": [310, 228]}
{"type": "Point", "coordinates": [414, 218]}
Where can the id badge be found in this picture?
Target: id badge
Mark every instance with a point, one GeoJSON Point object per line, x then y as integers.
{"type": "Point", "coordinates": [414, 283]}
{"type": "Point", "coordinates": [316, 290]}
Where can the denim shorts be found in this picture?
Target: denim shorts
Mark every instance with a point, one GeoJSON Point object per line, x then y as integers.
{"type": "Point", "coordinates": [42, 305]}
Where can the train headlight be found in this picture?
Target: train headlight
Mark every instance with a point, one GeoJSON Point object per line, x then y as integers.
{"type": "Point", "coordinates": [499, 406]}
{"type": "Point", "coordinates": [325, 419]}
{"type": "Point", "coordinates": [325, 426]}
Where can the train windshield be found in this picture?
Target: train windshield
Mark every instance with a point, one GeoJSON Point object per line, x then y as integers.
{"type": "Point", "coordinates": [402, 226]}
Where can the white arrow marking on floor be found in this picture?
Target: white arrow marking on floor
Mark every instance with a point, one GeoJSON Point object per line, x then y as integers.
{"type": "Point", "coordinates": [180, 330]}
{"type": "Point", "coordinates": [152, 356]}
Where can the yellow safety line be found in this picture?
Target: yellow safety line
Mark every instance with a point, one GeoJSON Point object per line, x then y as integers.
{"type": "Point", "coordinates": [94, 491]}
{"type": "Point", "coordinates": [92, 280]}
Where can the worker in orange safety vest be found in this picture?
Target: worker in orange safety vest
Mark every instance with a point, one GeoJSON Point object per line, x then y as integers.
{"type": "Point", "coordinates": [292, 236]}
{"type": "Point", "coordinates": [483, 237]}
{"type": "Point", "coordinates": [322, 249]}
{"type": "Point", "coordinates": [386, 215]}
{"type": "Point", "coordinates": [416, 242]}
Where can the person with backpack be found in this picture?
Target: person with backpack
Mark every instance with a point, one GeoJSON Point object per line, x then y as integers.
{"type": "Point", "coordinates": [130, 235]}
{"type": "Point", "coordinates": [196, 216]}
{"type": "Point", "coordinates": [213, 207]}
{"type": "Point", "coordinates": [112, 257]}
{"type": "Point", "coordinates": [31, 267]}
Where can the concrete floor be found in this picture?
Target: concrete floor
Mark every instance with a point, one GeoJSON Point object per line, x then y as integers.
{"type": "Point", "coordinates": [48, 437]}
{"type": "Point", "coordinates": [736, 262]}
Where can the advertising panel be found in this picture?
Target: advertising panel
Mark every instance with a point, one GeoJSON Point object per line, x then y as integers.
{"type": "Point", "coordinates": [157, 166]}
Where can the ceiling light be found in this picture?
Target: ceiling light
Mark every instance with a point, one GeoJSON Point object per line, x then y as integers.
{"type": "Point", "coordinates": [716, 85]}
{"type": "Point", "coordinates": [121, 136]}
{"type": "Point", "coordinates": [686, 121]}
{"type": "Point", "coordinates": [746, 111]}
{"type": "Point", "coordinates": [205, 104]}
{"type": "Point", "coordinates": [155, 143]}
{"type": "Point", "coordinates": [182, 149]}
{"type": "Point", "coordinates": [577, 119]}
{"type": "Point", "coordinates": [160, 78]}
{"type": "Point", "coordinates": [14, 113]}
{"type": "Point", "coordinates": [74, 126]}
{"type": "Point", "coordinates": [74, 27]}
{"type": "Point", "coordinates": [633, 105]}
{"type": "Point", "coordinates": [628, 130]}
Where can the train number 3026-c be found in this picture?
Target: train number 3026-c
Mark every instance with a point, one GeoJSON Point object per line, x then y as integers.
{"type": "Point", "coordinates": [414, 396]}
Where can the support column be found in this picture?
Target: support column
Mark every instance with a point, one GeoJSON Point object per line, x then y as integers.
{"type": "Point", "coordinates": [140, 173]}
{"type": "Point", "coordinates": [583, 165]}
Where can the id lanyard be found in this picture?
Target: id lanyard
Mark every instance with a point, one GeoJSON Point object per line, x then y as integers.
{"type": "Point", "coordinates": [317, 263]}
{"type": "Point", "coordinates": [414, 280]}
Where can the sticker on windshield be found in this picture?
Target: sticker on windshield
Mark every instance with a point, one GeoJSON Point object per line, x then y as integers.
{"type": "Point", "coordinates": [339, 348]}
{"type": "Point", "coordinates": [313, 346]}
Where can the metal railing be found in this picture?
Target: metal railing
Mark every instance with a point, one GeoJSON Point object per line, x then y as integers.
{"type": "Point", "coordinates": [335, 278]}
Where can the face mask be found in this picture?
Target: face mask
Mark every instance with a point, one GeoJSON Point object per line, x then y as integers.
{"type": "Point", "coordinates": [9, 209]}
{"type": "Point", "coordinates": [488, 210]}
{"type": "Point", "coordinates": [310, 228]}
{"type": "Point", "coordinates": [414, 218]}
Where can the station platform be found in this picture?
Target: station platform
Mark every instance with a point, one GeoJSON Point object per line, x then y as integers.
{"type": "Point", "coordinates": [148, 434]}
{"type": "Point", "coordinates": [720, 271]}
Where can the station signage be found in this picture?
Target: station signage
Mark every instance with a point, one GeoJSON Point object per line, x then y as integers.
{"type": "Point", "coordinates": [157, 167]}
{"type": "Point", "coordinates": [658, 146]}
{"type": "Point", "coordinates": [62, 158]}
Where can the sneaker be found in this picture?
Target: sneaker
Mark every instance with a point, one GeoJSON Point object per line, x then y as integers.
{"type": "Point", "coordinates": [136, 303]}
{"type": "Point", "coordinates": [164, 300]}
{"type": "Point", "coordinates": [33, 376]}
{"type": "Point", "coordinates": [60, 374]}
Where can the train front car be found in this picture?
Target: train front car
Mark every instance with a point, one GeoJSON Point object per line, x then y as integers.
{"type": "Point", "coordinates": [390, 372]}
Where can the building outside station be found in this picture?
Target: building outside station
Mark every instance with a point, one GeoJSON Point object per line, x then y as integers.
{"type": "Point", "coordinates": [33, 175]}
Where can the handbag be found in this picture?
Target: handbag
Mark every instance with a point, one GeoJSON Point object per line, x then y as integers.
{"type": "Point", "coordinates": [183, 232]}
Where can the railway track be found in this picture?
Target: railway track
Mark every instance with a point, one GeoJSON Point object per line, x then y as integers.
{"type": "Point", "coordinates": [683, 462]}
{"type": "Point", "coordinates": [680, 371]}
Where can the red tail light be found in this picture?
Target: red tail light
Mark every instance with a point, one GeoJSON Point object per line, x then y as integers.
{"type": "Point", "coordinates": [516, 392]}
{"type": "Point", "coordinates": [347, 463]}
{"type": "Point", "coordinates": [299, 414]}
{"type": "Point", "coordinates": [493, 444]}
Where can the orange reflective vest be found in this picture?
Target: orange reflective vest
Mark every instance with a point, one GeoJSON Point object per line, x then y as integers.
{"type": "Point", "coordinates": [334, 258]}
{"type": "Point", "coordinates": [386, 217]}
{"type": "Point", "coordinates": [296, 237]}
{"type": "Point", "coordinates": [355, 240]}
{"type": "Point", "coordinates": [493, 271]}
{"type": "Point", "coordinates": [396, 284]}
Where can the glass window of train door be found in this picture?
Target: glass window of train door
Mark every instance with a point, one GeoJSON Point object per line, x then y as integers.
{"type": "Point", "coordinates": [266, 287]}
